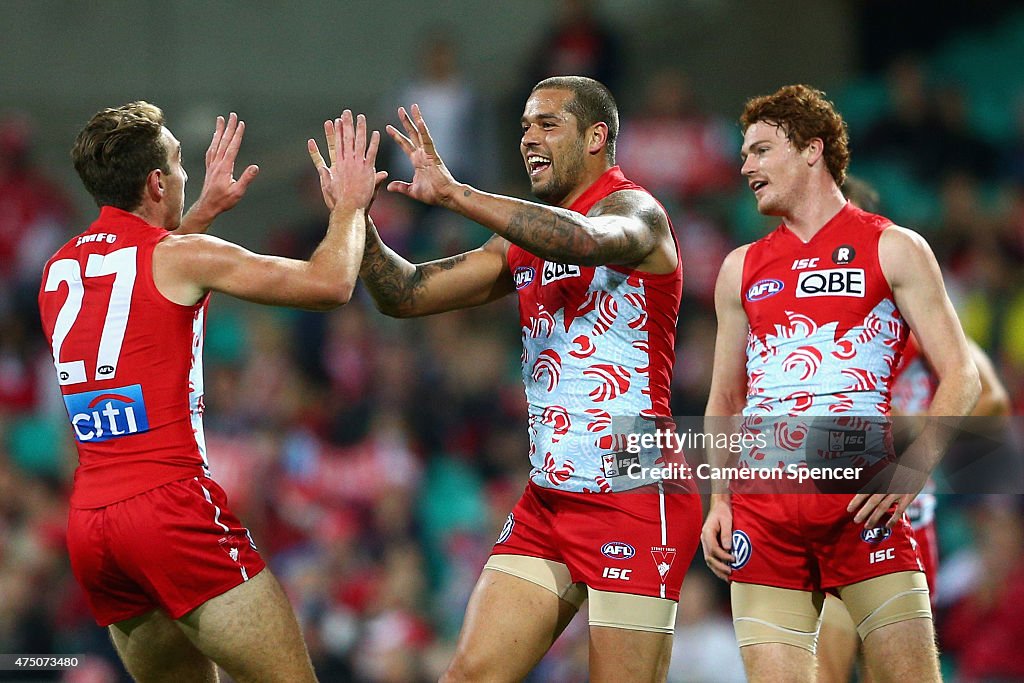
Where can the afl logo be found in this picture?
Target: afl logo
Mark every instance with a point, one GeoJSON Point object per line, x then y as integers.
{"type": "Point", "coordinates": [876, 535]}
{"type": "Point", "coordinates": [523, 276]}
{"type": "Point", "coordinates": [506, 530]}
{"type": "Point", "coordinates": [617, 550]}
{"type": "Point", "coordinates": [762, 289]}
{"type": "Point", "coordinates": [843, 254]}
{"type": "Point", "coordinates": [741, 549]}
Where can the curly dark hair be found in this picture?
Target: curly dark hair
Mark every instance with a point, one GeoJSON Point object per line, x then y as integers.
{"type": "Point", "coordinates": [803, 113]}
{"type": "Point", "coordinates": [116, 150]}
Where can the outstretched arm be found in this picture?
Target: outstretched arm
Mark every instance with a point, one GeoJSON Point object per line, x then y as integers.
{"type": "Point", "coordinates": [220, 190]}
{"type": "Point", "coordinates": [402, 289]}
{"type": "Point", "coordinates": [186, 267]}
{"type": "Point", "coordinates": [627, 227]}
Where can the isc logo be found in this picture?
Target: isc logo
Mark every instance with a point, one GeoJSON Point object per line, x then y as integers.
{"type": "Point", "coordinates": [617, 550]}
{"type": "Point", "coordinates": [847, 441]}
{"type": "Point", "coordinates": [523, 276]}
{"type": "Point", "coordinates": [558, 271]}
{"type": "Point", "coordinates": [882, 555]}
{"type": "Point", "coordinates": [107, 414]}
{"type": "Point", "coordinates": [762, 289]}
{"type": "Point", "coordinates": [835, 282]}
{"type": "Point", "coordinates": [803, 263]}
{"type": "Point", "coordinates": [616, 573]}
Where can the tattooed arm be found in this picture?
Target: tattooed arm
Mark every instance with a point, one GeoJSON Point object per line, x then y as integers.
{"type": "Point", "coordinates": [403, 290]}
{"type": "Point", "coordinates": [627, 228]}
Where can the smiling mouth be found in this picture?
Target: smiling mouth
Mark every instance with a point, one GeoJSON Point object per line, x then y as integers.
{"type": "Point", "coordinates": [758, 185]}
{"type": "Point", "coordinates": [536, 164]}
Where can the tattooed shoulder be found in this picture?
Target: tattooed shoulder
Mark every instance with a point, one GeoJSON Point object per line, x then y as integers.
{"type": "Point", "coordinates": [634, 203]}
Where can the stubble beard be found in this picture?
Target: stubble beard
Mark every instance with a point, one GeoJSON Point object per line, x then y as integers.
{"type": "Point", "coordinates": [564, 177]}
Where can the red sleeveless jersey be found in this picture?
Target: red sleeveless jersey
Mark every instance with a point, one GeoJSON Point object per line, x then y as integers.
{"type": "Point", "coordinates": [825, 334]}
{"type": "Point", "coordinates": [598, 343]}
{"type": "Point", "coordinates": [128, 361]}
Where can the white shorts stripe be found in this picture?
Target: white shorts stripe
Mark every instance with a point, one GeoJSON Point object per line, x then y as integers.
{"type": "Point", "coordinates": [216, 510]}
{"type": "Point", "coordinates": [664, 525]}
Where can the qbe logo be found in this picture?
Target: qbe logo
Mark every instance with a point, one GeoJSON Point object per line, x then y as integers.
{"type": "Point", "coordinates": [834, 282]}
{"type": "Point", "coordinates": [617, 550]}
{"type": "Point", "coordinates": [506, 530]}
{"type": "Point", "coordinates": [762, 289]}
{"type": "Point", "coordinates": [741, 549]}
{"type": "Point", "coordinates": [107, 414]}
{"type": "Point", "coordinates": [523, 276]}
{"type": "Point", "coordinates": [557, 271]}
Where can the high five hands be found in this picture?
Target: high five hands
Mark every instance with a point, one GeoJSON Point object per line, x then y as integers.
{"type": "Point", "coordinates": [432, 183]}
{"type": "Point", "coordinates": [350, 182]}
{"type": "Point", "coordinates": [221, 191]}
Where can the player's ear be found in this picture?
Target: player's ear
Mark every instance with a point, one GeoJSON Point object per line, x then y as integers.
{"type": "Point", "coordinates": [155, 185]}
{"type": "Point", "coordinates": [814, 150]}
{"type": "Point", "coordinates": [597, 137]}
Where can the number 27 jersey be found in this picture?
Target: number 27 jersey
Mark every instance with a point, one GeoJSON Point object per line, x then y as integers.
{"type": "Point", "coordinates": [128, 361]}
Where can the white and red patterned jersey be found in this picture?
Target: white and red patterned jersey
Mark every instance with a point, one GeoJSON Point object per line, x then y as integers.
{"type": "Point", "coordinates": [913, 389]}
{"type": "Point", "coordinates": [128, 361]}
{"type": "Point", "coordinates": [598, 345]}
{"type": "Point", "coordinates": [824, 341]}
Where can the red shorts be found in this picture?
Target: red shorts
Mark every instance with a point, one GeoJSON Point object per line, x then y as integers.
{"type": "Point", "coordinates": [928, 547]}
{"type": "Point", "coordinates": [173, 547]}
{"type": "Point", "coordinates": [810, 542]}
{"type": "Point", "coordinates": [639, 542]}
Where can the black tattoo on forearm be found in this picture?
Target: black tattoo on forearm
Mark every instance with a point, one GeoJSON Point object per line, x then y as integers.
{"type": "Point", "coordinates": [393, 282]}
{"type": "Point", "coordinates": [562, 235]}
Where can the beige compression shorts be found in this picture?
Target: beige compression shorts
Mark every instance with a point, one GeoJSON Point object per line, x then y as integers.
{"type": "Point", "coordinates": [765, 614]}
{"type": "Point", "coordinates": [614, 610]}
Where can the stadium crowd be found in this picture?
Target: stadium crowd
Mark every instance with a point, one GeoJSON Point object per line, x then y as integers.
{"type": "Point", "coordinates": [374, 460]}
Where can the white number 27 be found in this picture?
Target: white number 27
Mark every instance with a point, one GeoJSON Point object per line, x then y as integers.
{"type": "Point", "coordinates": [120, 264]}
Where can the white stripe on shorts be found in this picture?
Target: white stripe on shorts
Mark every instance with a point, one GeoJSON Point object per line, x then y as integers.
{"type": "Point", "coordinates": [664, 525]}
{"type": "Point", "coordinates": [216, 510]}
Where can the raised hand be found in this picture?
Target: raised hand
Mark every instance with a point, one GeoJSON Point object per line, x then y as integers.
{"type": "Point", "coordinates": [350, 181]}
{"type": "Point", "coordinates": [431, 183]}
{"type": "Point", "coordinates": [220, 189]}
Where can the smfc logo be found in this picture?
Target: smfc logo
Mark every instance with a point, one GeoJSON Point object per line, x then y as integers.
{"type": "Point", "coordinates": [617, 550]}
{"type": "Point", "coordinates": [762, 289]}
{"type": "Point", "coordinates": [107, 414]}
{"type": "Point", "coordinates": [523, 276]}
{"type": "Point", "coordinates": [876, 535]}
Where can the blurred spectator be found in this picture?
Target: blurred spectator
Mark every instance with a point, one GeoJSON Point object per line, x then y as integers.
{"type": "Point", "coordinates": [909, 130]}
{"type": "Point", "coordinates": [34, 211]}
{"type": "Point", "coordinates": [458, 119]}
{"type": "Point", "coordinates": [961, 149]}
{"type": "Point", "coordinates": [675, 148]}
{"type": "Point", "coordinates": [983, 629]}
{"type": "Point", "coordinates": [578, 43]}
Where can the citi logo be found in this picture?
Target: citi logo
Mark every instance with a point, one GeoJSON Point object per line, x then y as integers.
{"type": "Point", "coordinates": [523, 276]}
{"type": "Point", "coordinates": [101, 415]}
{"type": "Point", "coordinates": [762, 289]}
{"type": "Point", "coordinates": [617, 550]}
